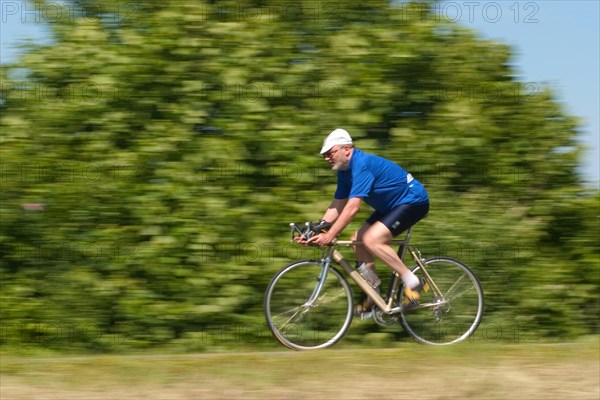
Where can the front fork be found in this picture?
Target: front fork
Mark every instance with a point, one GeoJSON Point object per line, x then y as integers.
{"type": "Point", "coordinates": [326, 263]}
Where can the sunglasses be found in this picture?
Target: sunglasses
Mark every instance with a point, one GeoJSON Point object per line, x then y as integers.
{"type": "Point", "coordinates": [331, 153]}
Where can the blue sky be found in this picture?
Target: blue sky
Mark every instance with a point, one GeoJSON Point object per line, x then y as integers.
{"type": "Point", "coordinates": [556, 43]}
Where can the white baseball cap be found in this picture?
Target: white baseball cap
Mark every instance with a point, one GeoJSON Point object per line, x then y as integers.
{"type": "Point", "coordinates": [338, 136]}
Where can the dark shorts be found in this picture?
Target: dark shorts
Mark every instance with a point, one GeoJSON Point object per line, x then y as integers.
{"type": "Point", "coordinates": [400, 218]}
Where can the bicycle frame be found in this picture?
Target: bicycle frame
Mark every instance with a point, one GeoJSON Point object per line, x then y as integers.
{"type": "Point", "coordinates": [386, 307]}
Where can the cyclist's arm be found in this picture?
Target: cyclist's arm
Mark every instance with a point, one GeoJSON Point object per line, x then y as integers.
{"type": "Point", "coordinates": [334, 210]}
{"type": "Point", "coordinates": [351, 207]}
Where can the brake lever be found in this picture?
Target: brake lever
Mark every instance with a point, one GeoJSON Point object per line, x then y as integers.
{"type": "Point", "coordinates": [294, 229]}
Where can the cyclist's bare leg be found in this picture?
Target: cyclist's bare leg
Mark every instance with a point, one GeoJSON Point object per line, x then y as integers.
{"type": "Point", "coordinates": [360, 251]}
{"type": "Point", "coordinates": [375, 240]}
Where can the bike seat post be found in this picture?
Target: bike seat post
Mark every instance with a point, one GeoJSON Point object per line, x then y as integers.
{"type": "Point", "coordinates": [404, 244]}
{"type": "Point", "coordinates": [407, 238]}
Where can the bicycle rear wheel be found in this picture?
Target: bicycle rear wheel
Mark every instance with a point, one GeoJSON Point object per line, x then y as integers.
{"type": "Point", "coordinates": [451, 314]}
{"type": "Point", "coordinates": [299, 319]}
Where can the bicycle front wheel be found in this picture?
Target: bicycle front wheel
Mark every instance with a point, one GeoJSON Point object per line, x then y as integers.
{"type": "Point", "coordinates": [303, 314]}
{"type": "Point", "coordinates": [451, 310]}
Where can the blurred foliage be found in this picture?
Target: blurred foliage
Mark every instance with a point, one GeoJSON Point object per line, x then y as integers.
{"type": "Point", "coordinates": [153, 155]}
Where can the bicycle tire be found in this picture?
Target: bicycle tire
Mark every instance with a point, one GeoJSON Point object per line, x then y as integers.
{"type": "Point", "coordinates": [297, 325]}
{"type": "Point", "coordinates": [459, 311]}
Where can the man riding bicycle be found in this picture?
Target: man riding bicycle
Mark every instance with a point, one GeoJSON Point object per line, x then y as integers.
{"type": "Point", "coordinates": [399, 200]}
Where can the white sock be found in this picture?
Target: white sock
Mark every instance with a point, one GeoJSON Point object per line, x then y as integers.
{"type": "Point", "coordinates": [410, 280]}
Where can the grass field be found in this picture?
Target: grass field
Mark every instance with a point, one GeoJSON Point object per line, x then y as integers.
{"type": "Point", "coordinates": [410, 371]}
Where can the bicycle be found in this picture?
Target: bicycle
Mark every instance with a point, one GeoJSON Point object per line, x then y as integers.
{"type": "Point", "coordinates": [308, 304]}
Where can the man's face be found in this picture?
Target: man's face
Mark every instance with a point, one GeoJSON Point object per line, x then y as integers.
{"type": "Point", "coordinates": [338, 158]}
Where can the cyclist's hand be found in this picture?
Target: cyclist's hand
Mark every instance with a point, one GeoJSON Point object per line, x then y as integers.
{"type": "Point", "coordinates": [301, 240]}
{"type": "Point", "coordinates": [322, 239]}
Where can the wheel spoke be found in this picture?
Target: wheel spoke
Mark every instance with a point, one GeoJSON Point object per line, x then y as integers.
{"type": "Point", "coordinates": [298, 313]}
{"type": "Point", "coordinates": [459, 294]}
{"type": "Point", "coordinates": [303, 309]}
{"type": "Point", "coordinates": [454, 285]}
{"type": "Point", "coordinates": [325, 299]}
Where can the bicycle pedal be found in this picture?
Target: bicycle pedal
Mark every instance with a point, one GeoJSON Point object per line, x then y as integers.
{"type": "Point", "coordinates": [411, 295]}
{"type": "Point", "coordinates": [408, 302]}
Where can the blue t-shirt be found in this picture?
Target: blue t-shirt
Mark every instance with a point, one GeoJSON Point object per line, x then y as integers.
{"type": "Point", "coordinates": [381, 183]}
